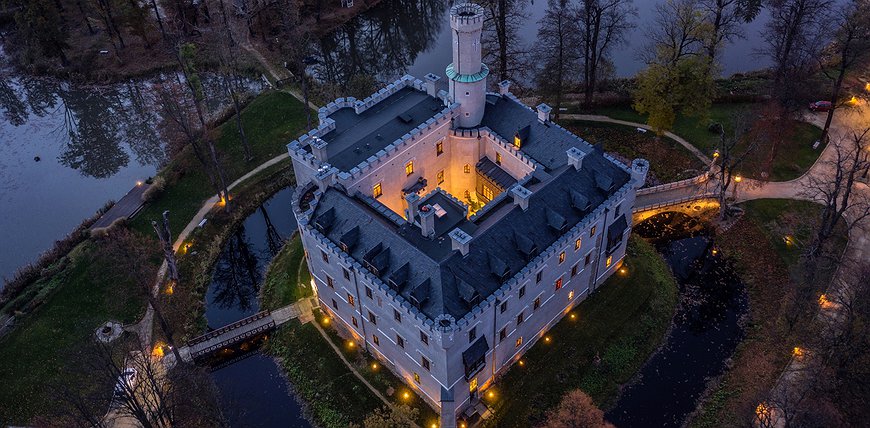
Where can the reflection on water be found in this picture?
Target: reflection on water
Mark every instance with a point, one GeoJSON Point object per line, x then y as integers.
{"type": "Point", "coordinates": [251, 386]}
{"type": "Point", "coordinates": [705, 332]}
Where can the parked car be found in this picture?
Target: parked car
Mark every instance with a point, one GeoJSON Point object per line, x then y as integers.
{"type": "Point", "coordinates": [820, 106]}
{"type": "Point", "coordinates": [126, 382]}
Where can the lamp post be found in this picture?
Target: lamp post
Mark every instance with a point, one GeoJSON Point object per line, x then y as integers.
{"type": "Point", "coordinates": [737, 180]}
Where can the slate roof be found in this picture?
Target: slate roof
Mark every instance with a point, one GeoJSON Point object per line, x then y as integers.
{"type": "Point", "coordinates": [358, 136]}
{"type": "Point", "coordinates": [495, 173]}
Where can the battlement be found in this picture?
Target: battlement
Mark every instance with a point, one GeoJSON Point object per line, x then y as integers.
{"type": "Point", "coordinates": [466, 17]}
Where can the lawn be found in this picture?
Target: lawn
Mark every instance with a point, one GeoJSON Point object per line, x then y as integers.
{"type": "Point", "coordinates": [791, 162]}
{"type": "Point", "coordinates": [287, 268]}
{"type": "Point", "coordinates": [782, 302]}
{"type": "Point", "coordinates": [623, 323]}
{"type": "Point", "coordinates": [271, 121]}
{"type": "Point", "coordinates": [669, 161]}
{"type": "Point", "coordinates": [34, 358]}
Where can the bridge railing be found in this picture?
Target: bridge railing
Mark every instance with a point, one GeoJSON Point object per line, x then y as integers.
{"type": "Point", "coordinates": [219, 331]}
{"type": "Point", "coordinates": [682, 183]}
{"type": "Point", "coordinates": [700, 196]}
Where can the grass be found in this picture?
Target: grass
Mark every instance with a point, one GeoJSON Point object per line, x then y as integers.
{"type": "Point", "coordinates": [270, 121]}
{"type": "Point", "coordinates": [669, 161]}
{"type": "Point", "coordinates": [34, 356]}
{"type": "Point", "coordinates": [623, 323]}
{"type": "Point", "coordinates": [792, 160]}
{"type": "Point", "coordinates": [287, 268]}
{"type": "Point", "coordinates": [779, 291]}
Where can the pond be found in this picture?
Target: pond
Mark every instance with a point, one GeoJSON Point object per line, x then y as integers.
{"type": "Point", "coordinates": [251, 387]}
{"type": "Point", "coordinates": [705, 332]}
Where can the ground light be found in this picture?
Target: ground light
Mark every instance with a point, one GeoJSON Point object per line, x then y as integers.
{"type": "Point", "coordinates": [374, 366]}
{"type": "Point", "coordinates": [350, 344]}
{"type": "Point", "coordinates": [521, 363]}
{"type": "Point", "coordinates": [798, 352]}
{"type": "Point", "coordinates": [406, 395]}
{"type": "Point", "coordinates": [573, 316]}
{"type": "Point", "coordinates": [325, 320]}
{"type": "Point", "coordinates": [547, 339]}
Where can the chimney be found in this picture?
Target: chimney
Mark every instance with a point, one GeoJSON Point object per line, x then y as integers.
{"type": "Point", "coordinates": [427, 221]}
{"type": "Point", "coordinates": [575, 157]}
{"type": "Point", "coordinates": [413, 201]}
{"type": "Point", "coordinates": [318, 149]}
{"type": "Point", "coordinates": [460, 241]}
{"type": "Point", "coordinates": [504, 87]}
{"type": "Point", "coordinates": [431, 80]}
{"type": "Point", "coordinates": [521, 196]}
{"type": "Point", "coordinates": [544, 112]}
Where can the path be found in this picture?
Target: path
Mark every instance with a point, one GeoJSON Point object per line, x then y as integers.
{"type": "Point", "coordinates": [598, 118]}
{"type": "Point", "coordinates": [127, 207]}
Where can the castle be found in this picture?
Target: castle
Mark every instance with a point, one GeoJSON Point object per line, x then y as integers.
{"type": "Point", "coordinates": [448, 230]}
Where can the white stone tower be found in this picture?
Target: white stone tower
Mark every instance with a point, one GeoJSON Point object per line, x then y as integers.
{"type": "Point", "coordinates": [467, 73]}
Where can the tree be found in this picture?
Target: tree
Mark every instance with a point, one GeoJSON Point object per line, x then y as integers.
{"type": "Point", "coordinates": [556, 54]}
{"type": "Point", "coordinates": [733, 149]}
{"type": "Point", "coordinates": [43, 31]}
{"type": "Point", "coordinates": [793, 38]}
{"type": "Point", "coordinates": [835, 187]}
{"type": "Point", "coordinates": [725, 18]}
{"type": "Point", "coordinates": [501, 38]}
{"type": "Point", "coordinates": [679, 73]}
{"type": "Point", "coordinates": [576, 410]}
{"type": "Point", "coordinates": [401, 416]}
{"type": "Point", "coordinates": [849, 48]}
{"type": "Point", "coordinates": [603, 25]}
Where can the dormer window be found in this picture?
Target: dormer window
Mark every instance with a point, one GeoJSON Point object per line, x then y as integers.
{"type": "Point", "coordinates": [518, 142]}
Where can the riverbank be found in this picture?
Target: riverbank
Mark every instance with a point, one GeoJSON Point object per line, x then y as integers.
{"type": "Point", "coordinates": [609, 337]}
{"type": "Point", "coordinates": [33, 358]}
{"type": "Point", "coordinates": [766, 245]}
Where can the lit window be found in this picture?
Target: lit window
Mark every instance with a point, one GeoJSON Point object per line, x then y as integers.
{"type": "Point", "coordinates": [487, 192]}
{"type": "Point", "coordinates": [561, 257]}
{"type": "Point", "coordinates": [416, 377]}
{"type": "Point", "coordinates": [498, 158]}
{"type": "Point", "coordinates": [559, 283]}
{"type": "Point", "coordinates": [350, 299]}
{"type": "Point", "coordinates": [440, 176]}
{"type": "Point", "coordinates": [376, 340]}
{"type": "Point", "coordinates": [519, 341]}
{"type": "Point", "coordinates": [609, 261]}
{"type": "Point", "coordinates": [592, 231]}
{"type": "Point", "coordinates": [377, 191]}
{"type": "Point", "coordinates": [467, 168]}
{"type": "Point", "coordinates": [517, 141]}
{"type": "Point", "coordinates": [330, 282]}
{"type": "Point", "coordinates": [571, 295]}
{"type": "Point", "coordinates": [409, 168]}
{"type": "Point", "coordinates": [472, 385]}
{"type": "Point", "coordinates": [577, 243]}
{"type": "Point", "coordinates": [439, 148]}
{"type": "Point", "coordinates": [425, 363]}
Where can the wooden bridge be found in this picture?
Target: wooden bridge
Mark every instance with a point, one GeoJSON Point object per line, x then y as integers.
{"type": "Point", "coordinates": [228, 335]}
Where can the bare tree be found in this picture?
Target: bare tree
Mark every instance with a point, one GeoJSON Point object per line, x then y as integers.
{"type": "Point", "coordinates": [556, 54]}
{"type": "Point", "coordinates": [501, 38]}
{"type": "Point", "coordinates": [849, 48]}
{"type": "Point", "coordinates": [164, 234]}
{"type": "Point", "coordinates": [401, 416]}
{"type": "Point", "coordinates": [733, 149]}
{"type": "Point", "coordinates": [576, 410]}
{"type": "Point", "coordinates": [725, 17]}
{"type": "Point", "coordinates": [603, 25]}
{"type": "Point", "coordinates": [835, 187]}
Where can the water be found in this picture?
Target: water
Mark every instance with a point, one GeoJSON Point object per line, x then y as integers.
{"type": "Point", "coordinates": [252, 389]}
{"type": "Point", "coordinates": [705, 332]}
{"type": "Point", "coordinates": [398, 37]}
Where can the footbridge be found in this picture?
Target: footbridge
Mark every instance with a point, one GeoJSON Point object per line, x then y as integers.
{"type": "Point", "coordinates": [244, 329]}
{"type": "Point", "coordinates": [690, 196]}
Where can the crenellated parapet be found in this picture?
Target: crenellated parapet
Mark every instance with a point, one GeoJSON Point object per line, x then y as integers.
{"type": "Point", "coordinates": [497, 199]}
{"type": "Point", "coordinates": [510, 148]}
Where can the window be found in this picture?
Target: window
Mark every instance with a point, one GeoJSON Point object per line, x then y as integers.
{"type": "Point", "coordinates": [467, 168]}
{"type": "Point", "coordinates": [573, 271]}
{"type": "Point", "coordinates": [517, 141]}
{"type": "Point", "coordinates": [330, 282]}
{"type": "Point", "coordinates": [400, 341]}
{"type": "Point", "coordinates": [376, 340]}
{"type": "Point", "coordinates": [424, 338]}
{"type": "Point", "coordinates": [397, 316]}
{"type": "Point", "coordinates": [472, 334]}
{"type": "Point", "coordinates": [561, 257]}
{"type": "Point", "coordinates": [538, 277]}
{"type": "Point", "coordinates": [537, 304]}
{"type": "Point", "coordinates": [522, 291]}
{"type": "Point", "coordinates": [588, 259]}
{"type": "Point", "coordinates": [571, 295]}
{"type": "Point", "coordinates": [350, 299]}
{"type": "Point", "coordinates": [346, 273]}
{"type": "Point", "coordinates": [520, 318]}
{"type": "Point", "coordinates": [439, 148]}
{"type": "Point", "coordinates": [487, 192]}
{"type": "Point", "coordinates": [592, 231]}
{"type": "Point", "coordinates": [609, 261]}
{"type": "Point", "coordinates": [467, 94]}
{"type": "Point", "coordinates": [519, 341]}
{"type": "Point", "coordinates": [559, 283]}
{"type": "Point", "coordinates": [416, 377]}
{"type": "Point", "coordinates": [498, 158]}
{"type": "Point", "coordinates": [324, 256]}
{"type": "Point", "coordinates": [472, 384]}
{"type": "Point", "coordinates": [377, 190]}
{"type": "Point", "coordinates": [353, 321]}
{"type": "Point", "coordinates": [502, 334]}
{"type": "Point", "coordinates": [409, 168]}
{"type": "Point", "coordinates": [577, 244]}
{"type": "Point", "coordinates": [368, 292]}
{"type": "Point", "coordinates": [616, 211]}
{"type": "Point", "coordinates": [372, 318]}
{"type": "Point", "coordinates": [440, 176]}
{"type": "Point", "coordinates": [425, 363]}
{"type": "Point", "coordinates": [503, 307]}
{"type": "Point", "coordinates": [334, 304]}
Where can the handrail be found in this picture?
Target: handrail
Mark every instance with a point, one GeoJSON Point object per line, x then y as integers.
{"type": "Point", "coordinates": [682, 183]}
{"type": "Point", "coordinates": [229, 327]}
{"type": "Point", "coordinates": [705, 195]}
